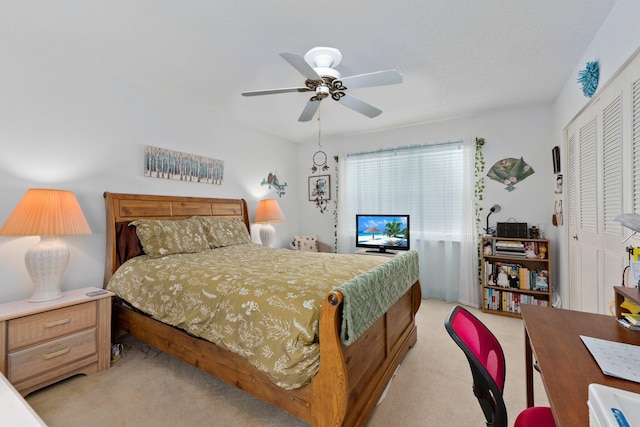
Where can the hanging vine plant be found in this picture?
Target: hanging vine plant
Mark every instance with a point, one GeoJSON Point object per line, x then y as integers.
{"type": "Point", "coordinates": [335, 209]}
{"type": "Point", "coordinates": [479, 181]}
{"type": "Point", "coordinates": [479, 190]}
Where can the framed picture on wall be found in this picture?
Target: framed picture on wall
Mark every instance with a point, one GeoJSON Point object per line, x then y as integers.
{"type": "Point", "coordinates": [319, 187]}
{"type": "Point", "coordinates": [555, 154]}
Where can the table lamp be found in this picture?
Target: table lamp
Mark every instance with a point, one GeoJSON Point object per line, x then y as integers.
{"type": "Point", "coordinates": [48, 214]}
{"type": "Point", "coordinates": [268, 211]}
{"type": "Point", "coordinates": [493, 209]}
{"type": "Point", "coordinates": [629, 220]}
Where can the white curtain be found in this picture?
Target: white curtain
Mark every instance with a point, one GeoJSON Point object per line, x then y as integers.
{"type": "Point", "coordinates": [433, 183]}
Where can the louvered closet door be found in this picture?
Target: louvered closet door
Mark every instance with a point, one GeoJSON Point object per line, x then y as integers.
{"type": "Point", "coordinates": [601, 182]}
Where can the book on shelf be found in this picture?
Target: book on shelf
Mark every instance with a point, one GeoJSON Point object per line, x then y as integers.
{"type": "Point", "coordinates": [517, 249]}
{"type": "Point", "coordinates": [633, 319]}
{"type": "Point", "coordinates": [513, 275]}
{"type": "Point", "coordinates": [625, 322]}
{"type": "Point", "coordinates": [510, 302]}
{"type": "Point", "coordinates": [509, 244]}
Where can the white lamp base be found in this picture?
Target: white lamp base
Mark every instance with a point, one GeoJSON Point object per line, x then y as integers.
{"type": "Point", "coordinates": [267, 234]}
{"type": "Point", "coordinates": [46, 262]}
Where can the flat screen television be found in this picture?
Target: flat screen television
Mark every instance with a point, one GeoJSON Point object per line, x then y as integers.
{"type": "Point", "coordinates": [382, 233]}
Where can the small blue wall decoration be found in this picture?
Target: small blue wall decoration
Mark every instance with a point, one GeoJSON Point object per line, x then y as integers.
{"type": "Point", "coordinates": [589, 78]}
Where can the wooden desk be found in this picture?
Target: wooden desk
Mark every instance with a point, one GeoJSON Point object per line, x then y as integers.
{"type": "Point", "coordinates": [552, 336]}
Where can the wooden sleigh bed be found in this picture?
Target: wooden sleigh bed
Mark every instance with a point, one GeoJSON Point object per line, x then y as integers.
{"type": "Point", "coordinates": [351, 379]}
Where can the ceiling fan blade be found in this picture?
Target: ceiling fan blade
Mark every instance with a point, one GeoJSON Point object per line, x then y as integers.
{"type": "Point", "coordinates": [301, 65]}
{"type": "Point", "coordinates": [359, 106]}
{"type": "Point", "coordinates": [272, 91]}
{"type": "Point", "coordinates": [309, 111]}
{"type": "Point", "coordinates": [379, 78]}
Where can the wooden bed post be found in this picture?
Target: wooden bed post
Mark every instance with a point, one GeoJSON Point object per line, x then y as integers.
{"type": "Point", "coordinates": [330, 386]}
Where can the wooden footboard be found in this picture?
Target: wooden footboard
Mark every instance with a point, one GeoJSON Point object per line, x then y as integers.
{"type": "Point", "coordinates": [352, 378]}
{"type": "Point", "coordinates": [349, 383]}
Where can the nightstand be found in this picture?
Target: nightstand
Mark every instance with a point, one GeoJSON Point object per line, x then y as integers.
{"type": "Point", "coordinates": [42, 343]}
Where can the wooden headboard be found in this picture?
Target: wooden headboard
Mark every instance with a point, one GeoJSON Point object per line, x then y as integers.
{"type": "Point", "coordinates": [129, 207]}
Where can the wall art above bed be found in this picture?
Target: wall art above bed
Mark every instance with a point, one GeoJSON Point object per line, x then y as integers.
{"type": "Point", "coordinates": [169, 164]}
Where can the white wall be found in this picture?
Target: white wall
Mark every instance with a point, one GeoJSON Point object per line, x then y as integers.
{"type": "Point", "coordinates": [73, 128]}
{"type": "Point", "coordinates": [617, 40]}
{"type": "Point", "coordinates": [513, 132]}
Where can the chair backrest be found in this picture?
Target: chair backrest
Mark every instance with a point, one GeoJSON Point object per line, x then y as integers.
{"type": "Point", "coordinates": [486, 360]}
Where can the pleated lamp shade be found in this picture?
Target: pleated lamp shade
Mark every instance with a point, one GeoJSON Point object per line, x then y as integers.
{"type": "Point", "coordinates": [48, 214]}
{"type": "Point", "coordinates": [43, 212]}
{"type": "Point", "coordinates": [268, 211]}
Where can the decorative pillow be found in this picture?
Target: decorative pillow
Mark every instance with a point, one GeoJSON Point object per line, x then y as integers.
{"type": "Point", "coordinates": [161, 238]}
{"type": "Point", "coordinates": [305, 243]}
{"type": "Point", "coordinates": [224, 231]}
{"type": "Point", "coordinates": [128, 245]}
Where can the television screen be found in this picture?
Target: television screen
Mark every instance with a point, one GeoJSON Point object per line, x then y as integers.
{"type": "Point", "coordinates": [382, 233]}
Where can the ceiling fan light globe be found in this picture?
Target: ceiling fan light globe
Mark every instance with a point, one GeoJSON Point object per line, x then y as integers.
{"type": "Point", "coordinates": [322, 92]}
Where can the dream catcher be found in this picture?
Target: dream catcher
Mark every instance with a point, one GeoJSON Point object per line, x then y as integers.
{"type": "Point", "coordinates": [319, 191]}
{"type": "Point", "coordinates": [319, 157]}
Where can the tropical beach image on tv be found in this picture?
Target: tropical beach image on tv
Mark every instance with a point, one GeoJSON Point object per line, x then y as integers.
{"type": "Point", "coordinates": [382, 232]}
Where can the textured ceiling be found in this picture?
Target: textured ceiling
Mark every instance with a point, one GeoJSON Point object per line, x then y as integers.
{"type": "Point", "coordinates": [458, 57]}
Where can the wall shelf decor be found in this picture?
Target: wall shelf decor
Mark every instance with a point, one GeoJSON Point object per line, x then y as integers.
{"type": "Point", "coordinates": [274, 183]}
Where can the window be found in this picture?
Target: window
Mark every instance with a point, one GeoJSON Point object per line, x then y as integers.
{"type": "Point", "coordinates": [432, 183]}
{"type": "Point", "coordinates": [425, 181]}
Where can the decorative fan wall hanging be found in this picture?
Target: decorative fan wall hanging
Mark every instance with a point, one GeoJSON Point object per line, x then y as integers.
{"type": "Point", "coordinates": [510, 171]}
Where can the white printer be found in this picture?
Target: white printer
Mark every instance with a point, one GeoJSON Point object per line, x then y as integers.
{"type": "Point", "coordinates": [612, 407]}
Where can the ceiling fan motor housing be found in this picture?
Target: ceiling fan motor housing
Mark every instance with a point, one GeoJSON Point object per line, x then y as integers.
{"type": "Point", "coordinates": [323, 60]}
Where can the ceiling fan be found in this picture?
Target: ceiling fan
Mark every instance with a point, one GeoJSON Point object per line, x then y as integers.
{"type": "Point", "coordinates": [318, 66]}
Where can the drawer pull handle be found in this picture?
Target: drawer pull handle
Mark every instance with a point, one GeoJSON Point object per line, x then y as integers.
{"type": "Point", "coordinates": [57, 353]}
{"type": "Point", "coordinates": [57, 323]}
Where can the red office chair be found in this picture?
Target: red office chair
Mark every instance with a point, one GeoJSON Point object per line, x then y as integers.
{"type": "Point", "coordinates": [487, 363]}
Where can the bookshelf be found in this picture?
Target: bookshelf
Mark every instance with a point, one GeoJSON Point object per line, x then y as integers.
{"type": "Point", "coordinates": [515, 272]}
{"type": "Point", "coordinates": [626, 294]}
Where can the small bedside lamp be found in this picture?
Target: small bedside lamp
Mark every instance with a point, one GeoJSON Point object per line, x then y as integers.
{"type": "Point", "coordinates": [48, 214]}
{"type": "Point", "coordinates": [493, 209]}
{"type": "Point", "coordinates": [268, 211]}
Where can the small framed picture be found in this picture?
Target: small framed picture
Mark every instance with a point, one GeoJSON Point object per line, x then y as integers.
{"type": "Point", "coordinates": [555, 155]}
{"type": "Point", "coordinates": [319, 187]}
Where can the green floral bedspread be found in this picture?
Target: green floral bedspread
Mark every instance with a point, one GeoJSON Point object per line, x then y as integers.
{"type": "Point", "coordinates": [258, 302]}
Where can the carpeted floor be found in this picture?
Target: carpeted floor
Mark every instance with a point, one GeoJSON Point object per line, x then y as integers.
{"type": "Point", "coordinates": [150, 388]}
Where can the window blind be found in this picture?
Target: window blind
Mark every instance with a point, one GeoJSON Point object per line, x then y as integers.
{"type": "Point", "coordinates": [425, 181]}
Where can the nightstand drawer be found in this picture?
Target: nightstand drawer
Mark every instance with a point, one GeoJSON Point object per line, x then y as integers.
{"type": "Point", "coordinates": [34, 360]}
{"type": "Point", "coordinates": [36, 328]}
